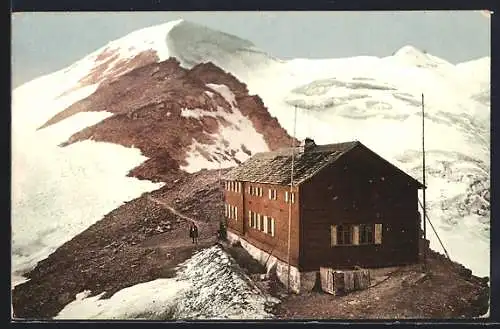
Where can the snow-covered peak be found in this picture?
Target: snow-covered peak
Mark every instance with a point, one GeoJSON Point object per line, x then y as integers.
{"type": "Point", "coordinates": [410, 51]}
{"type": "Point", "coordinates": [149, 38]}
{"type": "Point", "coordinates": [411, 55]}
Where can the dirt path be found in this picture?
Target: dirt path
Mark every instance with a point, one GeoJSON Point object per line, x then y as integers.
{"type": "Point", "coordinates": [179, 237]}
{"type": "Point", "coordinates": [166, 205]}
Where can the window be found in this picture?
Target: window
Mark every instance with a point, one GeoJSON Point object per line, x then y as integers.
{"type": "Point", "coordinates": [293, 197]}
{"type": "Point", "coordinates": [258, 221]}
{"type": "Point", "coordinates": [254, 190]}
{"type": "Point", "coordinates": [239, 187]}
{"type": "Point", "coordinates": [272, 194]}
{"type": "Point", "coordinates": [363, 234]}
{"type": "Point", "coordinates": [253, 219]}
{"type": "Point", "coordinates": [271, 220]}
{"type": "Point", "coordinates": [289, 197]}
{"type": "Point", "coordinates": [266, 225]}
{"type": "Point", "coordinates": [344, 234]}
{"type": "Point", "coordinates": [261, 223]}
{"type": "Point", "coordinates": [366, 234]}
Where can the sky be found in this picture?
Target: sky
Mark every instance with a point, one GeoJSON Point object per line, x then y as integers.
{"type": "Point", "coordinates": [45, 42]}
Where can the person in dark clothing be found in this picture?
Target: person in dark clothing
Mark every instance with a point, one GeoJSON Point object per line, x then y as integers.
{"type": "Point", "coordinates": [193, 233]}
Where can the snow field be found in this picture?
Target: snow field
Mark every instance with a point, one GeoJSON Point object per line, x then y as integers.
{"type": "Point", "coordinates": [209, 285]}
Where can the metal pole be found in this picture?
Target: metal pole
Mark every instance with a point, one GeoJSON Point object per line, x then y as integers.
{"type": "Point", "coordinates": [435, 232]}
{"type": "Point", "coordinates": [290, 196]}
{"type": "Point", "coordinates": [423, 173]}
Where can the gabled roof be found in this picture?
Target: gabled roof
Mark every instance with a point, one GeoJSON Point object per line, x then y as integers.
{"type": "Point", "coordinates": [275, 167]}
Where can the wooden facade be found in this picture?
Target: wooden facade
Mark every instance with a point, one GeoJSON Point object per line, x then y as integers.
{"type": "Point", "coordinates": [263, 217]}
{"type": "Point", "coordinates": [356, 210]}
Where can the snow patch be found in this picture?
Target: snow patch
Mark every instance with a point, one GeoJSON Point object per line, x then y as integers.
{"type": "Point", "coordinates": [233, 138]}
{"type": "Point", "coordinates": [150, 300]}
{"type": "Point", "coordinates": [197, 113]}
{"type": "Point", "coordinates": [225, 92]}
{"type": "Point", "coordinates": [209, 285]}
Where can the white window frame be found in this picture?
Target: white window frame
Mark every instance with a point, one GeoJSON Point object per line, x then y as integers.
{"type": "Point", "coordinates": [378, 233]}
{"type": "Point", "coordinates": [273, 194]}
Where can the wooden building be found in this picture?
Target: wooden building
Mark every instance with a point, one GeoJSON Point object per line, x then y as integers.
{"type": "Point", "coordinates": [349, 207]}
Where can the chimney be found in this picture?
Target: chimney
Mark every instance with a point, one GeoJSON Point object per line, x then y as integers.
{"type": "Point", "coordinates": [308, 144]}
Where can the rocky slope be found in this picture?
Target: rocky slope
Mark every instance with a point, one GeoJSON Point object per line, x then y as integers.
{"type": "Point", "coordinates": [140, 241]}
{"type": "Point", "coordinates": [168, 112]}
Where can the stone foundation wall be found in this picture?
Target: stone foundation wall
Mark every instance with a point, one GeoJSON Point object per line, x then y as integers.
{"type": "Point", "coordinates": [299, 281]}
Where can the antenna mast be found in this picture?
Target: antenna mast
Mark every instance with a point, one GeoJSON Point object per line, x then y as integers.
{"type": "Point", "coordinates": [424, 205]}
{"type": "Point", "coordinates": [290, 196]}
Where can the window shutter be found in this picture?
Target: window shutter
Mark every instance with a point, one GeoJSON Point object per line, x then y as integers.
{"type": "Point", "coordinates": [355, 234]}
{"type": "Point", "coordinates": [293, 197]}
{"type": "Point", "coordinates": [272, 226]}
{"type": "Point", "coordinates": [286, 196]}
{"type": "Point", "coordinates": [378, 233]}
{"type": "Point", "coordinates": [249, 219]}
{"type": "Point", "coordinates": [236, 213]}
{"type": "Point", "coordinates": [333, 233]}
{"type": "Point", "coordinates": [258, 222]}
{"type": "Point", "coordinates": [266, 225]}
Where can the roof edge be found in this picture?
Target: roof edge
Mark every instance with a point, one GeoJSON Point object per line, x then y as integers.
{"type": "Point", "coordinates": [355, 143]}
{"type": "Point", "coordinates": [419, 185]}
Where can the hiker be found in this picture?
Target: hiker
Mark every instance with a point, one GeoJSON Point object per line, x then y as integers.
{"type": "Point", "coordinates": [193, 232]}
{"type": "Point", "coordinates": [221, 233]}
